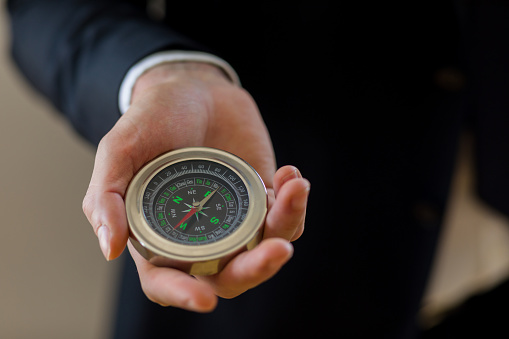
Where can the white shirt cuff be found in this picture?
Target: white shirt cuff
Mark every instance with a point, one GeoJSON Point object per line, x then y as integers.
{"type": "Point", "coordinates": [124, 96]}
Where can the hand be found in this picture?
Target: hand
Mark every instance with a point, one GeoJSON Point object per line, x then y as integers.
{"type": "Point", "coordinates": [192, 104]}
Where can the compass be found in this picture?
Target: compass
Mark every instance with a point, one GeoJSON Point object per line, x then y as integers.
{"type": "Point", "coordinates": [195, 208]}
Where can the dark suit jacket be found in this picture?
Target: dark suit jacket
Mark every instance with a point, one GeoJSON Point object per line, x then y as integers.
{"type": "Point", "coordinates": [368, 101]}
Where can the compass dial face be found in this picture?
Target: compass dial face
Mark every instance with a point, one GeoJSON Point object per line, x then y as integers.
{"type": "Point", "coordinates": [195, 202]}
{"type": "Point", "coordinates": [195, 208]}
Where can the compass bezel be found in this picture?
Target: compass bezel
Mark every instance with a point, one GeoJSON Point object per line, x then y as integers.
{"type": "Point", "coordinates": [157, 249]}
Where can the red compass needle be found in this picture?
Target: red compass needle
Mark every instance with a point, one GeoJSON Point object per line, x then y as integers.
{"type": "Point", "coordinates": [187, 216]}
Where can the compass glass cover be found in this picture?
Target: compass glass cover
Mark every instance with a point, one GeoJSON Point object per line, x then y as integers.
{"type": "Point", "coordinates": [195, 202]}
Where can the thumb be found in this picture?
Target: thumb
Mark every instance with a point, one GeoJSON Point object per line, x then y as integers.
{"type": "Point", "coordinates": [105, 212]}
{"type": "Point", "coordinates": [103, 204]}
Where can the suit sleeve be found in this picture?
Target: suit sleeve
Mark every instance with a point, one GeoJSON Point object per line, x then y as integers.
{"type": "Point", "coordinates": [76, 53]}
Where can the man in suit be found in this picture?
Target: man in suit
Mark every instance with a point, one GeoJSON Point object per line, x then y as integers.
{"type": "Point", "coordinates": [370, 113]}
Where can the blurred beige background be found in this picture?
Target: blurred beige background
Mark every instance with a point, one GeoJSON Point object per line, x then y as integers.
{"type": "Point", "coordinates": [54, 282]}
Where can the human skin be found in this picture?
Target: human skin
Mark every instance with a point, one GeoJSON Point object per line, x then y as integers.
{"type": "Point", "coordinates": [177, 105]}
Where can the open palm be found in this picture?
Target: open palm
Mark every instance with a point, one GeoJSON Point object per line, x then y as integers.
{"type": "Point", "coordinates": [175, 107]}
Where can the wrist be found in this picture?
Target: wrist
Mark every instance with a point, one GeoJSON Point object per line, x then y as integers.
{"type": "Point", "coordinates": [192, 58]}
{"type": "Point", "coordinates": [177, 71]}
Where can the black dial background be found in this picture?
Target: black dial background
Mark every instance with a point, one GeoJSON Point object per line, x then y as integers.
{"type": "Point", "coordinates": [171, 192]}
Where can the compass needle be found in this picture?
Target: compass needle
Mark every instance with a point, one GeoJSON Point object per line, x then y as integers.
{"type": "Point", "coordinates": [187, 216]}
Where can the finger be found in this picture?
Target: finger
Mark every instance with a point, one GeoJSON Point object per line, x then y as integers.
{"type": "Point", "coordinates": [171, 287]}
{"type": "Point", "coordinates": [103, 203]}
{"type": "Point", "coordinates": [251, 268]}
{"type": "Point", "coordinates": [286, 216]}
{"type": "Point", "coordinates": [105, 212]}
{"type": "Point", "coordinates": [284, 174]}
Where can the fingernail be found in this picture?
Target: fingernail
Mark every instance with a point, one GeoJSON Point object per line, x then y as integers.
{"type": "Point", "coordinates": [103, 233]}
{"type": "Point", "coordinates": [290, 250]}
{"type": "Point", "coordinates": [299, 202]}
{"type": "Point", "coordinates": [294, 174]}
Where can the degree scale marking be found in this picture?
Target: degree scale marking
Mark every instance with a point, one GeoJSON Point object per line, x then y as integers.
{"type": "Point", "coordinates": [239, 210]}
{"type": "Point", "coordinates": [232, 188]}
